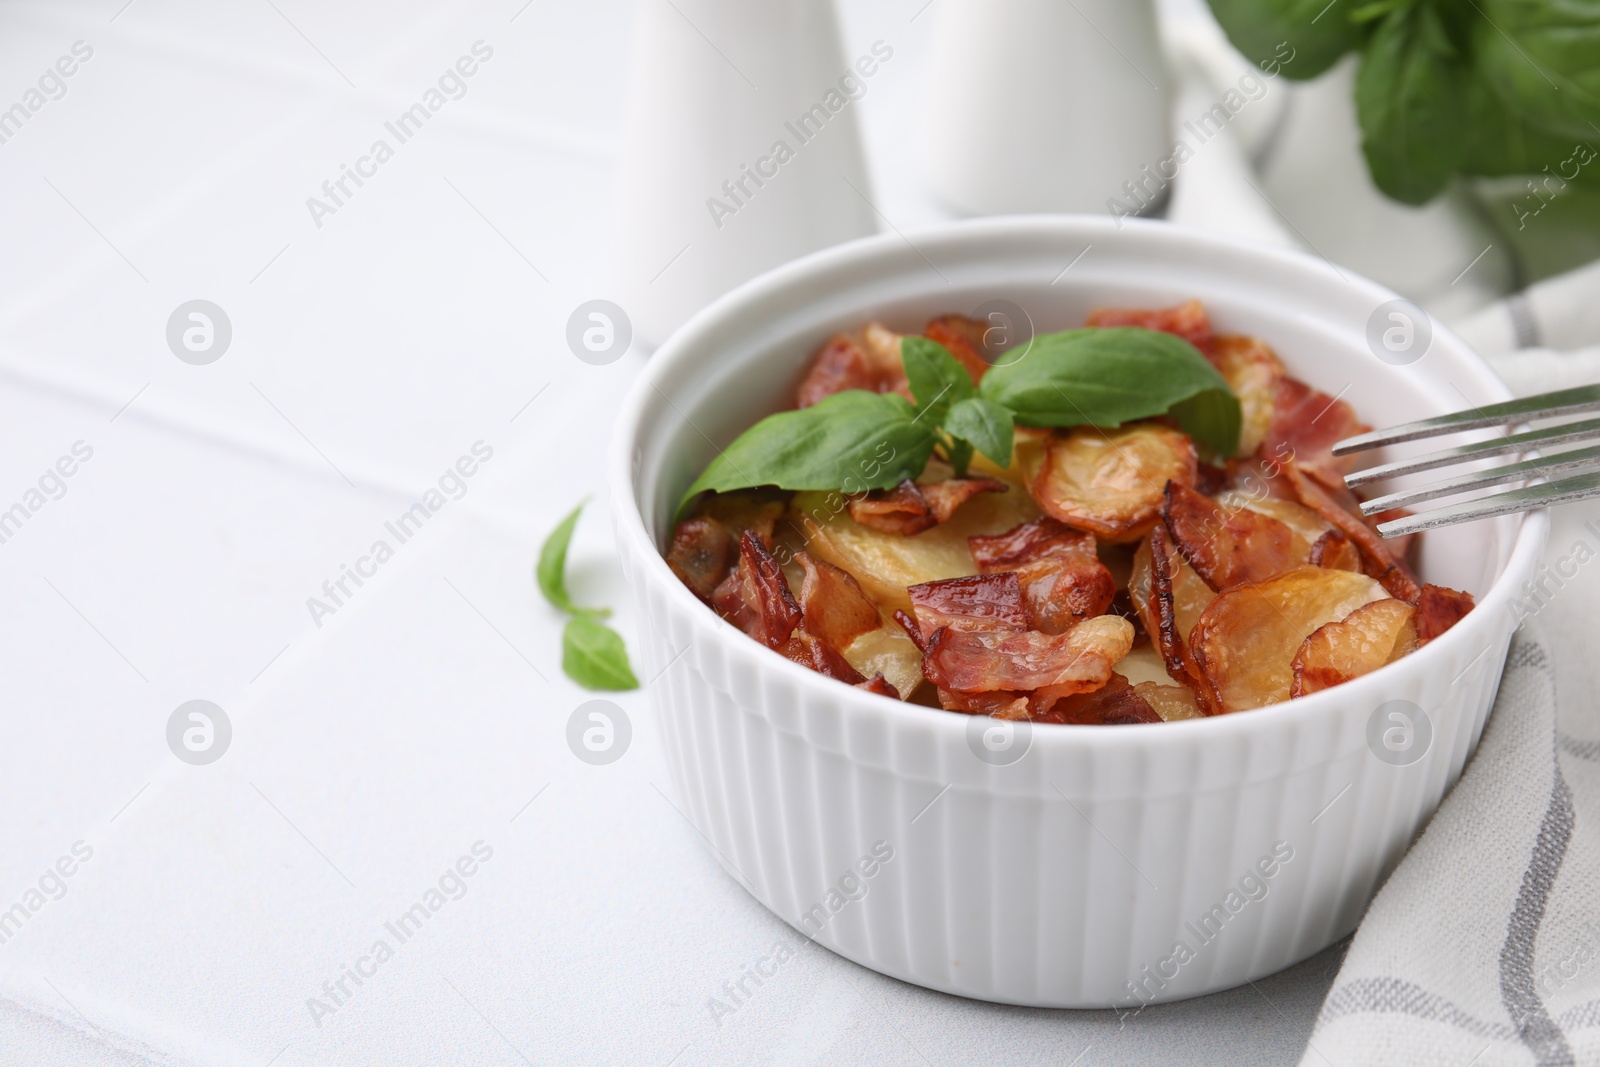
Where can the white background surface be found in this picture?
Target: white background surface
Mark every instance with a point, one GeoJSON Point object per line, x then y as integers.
{"type": "Point", "coordinates": [368, 754]}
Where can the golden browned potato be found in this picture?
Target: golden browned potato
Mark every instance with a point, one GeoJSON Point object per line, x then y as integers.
{"type": "Point", "coordinates": [1110, 482]}
{"type": "Point", "coordinates": [1370, 636]}
{"type": "Point", "coordinates": [886, 564]}
{"type": "Point", "coordinates": [889, 652]}
{"type": "Point", "coordinates": [1246, 641]}
{"type": "Point", "coordinates": [1252, 369]}
{"type": "Point", "coordinates": [1171, 702]}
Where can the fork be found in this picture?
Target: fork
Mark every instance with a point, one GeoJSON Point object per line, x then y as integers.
{"type": "Point", "coordinates": [1512, 413]}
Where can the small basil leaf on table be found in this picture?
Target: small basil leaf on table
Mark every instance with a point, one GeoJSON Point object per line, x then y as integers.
{"type": "Point", "coordinates": [852, 441]}
{"type": "Point", "coordinates": [1411, 99]}
{"type": "Point", "coordinates": [593, 655]}
{"type": "Point", "coordinates": [1109, 376]}
{"type": "Point", "coordinates": [985, 424]}
{"type": "Point", "coordinates": [552, 569]}
{"type": "Point", "coordinates": [936, 379]}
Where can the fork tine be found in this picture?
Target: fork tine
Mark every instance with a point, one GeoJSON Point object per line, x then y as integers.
{"type": "Point", "coordinates": [1563, 491]}
{"type": "Point", "coordinates": [1542, 467]}
{"type": "Point", "coordinates": [1498, 446]}
{"type": "Point", "coordinates": [1544, 406]}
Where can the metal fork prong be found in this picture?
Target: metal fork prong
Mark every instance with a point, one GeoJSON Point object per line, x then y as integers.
{"type": "Point", "coordinates": [1563, 491]}
{"type": "Point", "coordinates": [1543, 467]}
{"type": "Point", "coordinates": [1545, 406]}
{"type": "Point", "coordinates": [1495, 446]}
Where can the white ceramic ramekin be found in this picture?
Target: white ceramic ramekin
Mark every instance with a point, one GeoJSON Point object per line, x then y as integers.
{"type": "Point", "coordinates": [1107, 865]}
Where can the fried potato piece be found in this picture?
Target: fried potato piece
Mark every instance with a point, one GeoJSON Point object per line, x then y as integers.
{"type": "Point", "coordinates": [1377, 559]}
{"type": "Point", "coordinates": [1361, 642]}
{"type": "Point", "coordinates": [888, 652]}
{"type": "Point", "coordinates": [701, 554]}
{"type": "Point", "coordinates": [1334, 550]}
{"type": "Point", "coordinates": [1306, 424]}
{"type": "Point", "coordinates": [976, 602]}
{"type": "Point", "coordinates": [1171, 702]}
{"type": "Point", "coordinates": [1252, 370]}
{"type": "Point", "coordinates": [962, 338]}
{"type": "Point", "coordinates": [1293, 514]}
{"type": "Point", "coordinates": [1110, 482]}
{"type": "Point", "coordinates": [832, 603]}
{"type": "Point", "coordinates": [1114, 704]}
{"type": "Point", "coordinates": [756, 597]}
{"type": "Point", "coordinates": [1246, 641]}
{"type": "Point", "coordinates": [1143, 663]}
{"type": "Point", "coordinates": [1438, 609]}
{"type": "Point", "coordinates": [886, 564]}
{"type": "Point", "coordinates": [1226, 546]}
{"type": "Point", "coordinates": [1190, 597]}
{"type": "Point", "coordinates": [1188, 320]}
{"type": "Point", "coordinates": [986, 661]}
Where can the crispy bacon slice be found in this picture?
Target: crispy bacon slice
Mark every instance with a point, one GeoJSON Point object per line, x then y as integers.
{"type": "Point", "coordinates": [1188, 320]}
{"type": "Point", "coordinates": [1168, 635]}
{"type": "Point", "coordinates": [944, 497]}
{"type": "Point", "coordinates": [1228, 546]}
{"type": "Point", "coordinates": [983, 661]}
{"type": "Point", "coordinates": [1246, 641]}
{"type": "Point", "coordinates": [1252, 370]}
{"type": "Point", "coordinates": [1117, 703]}
{"type": "Point", "coordinates": [909, 508]}
{"type": "Point", "coordinates": [1027, 542]}
{"type": "Point", "coordinates": [902, 510]}
{"type": "Point", "coordinates": [1111, 482]}
{"type": "Point", "coordinates": [1377, 559]}
{"type": "Point", "coordinates": [701, 555]}
{"type": "Point", "coordinates": [811, 651]}
{"type": "Point", "coordinates": [1306, 424]}
{"type": "Point", "coordinates": [878, 684]}
{"type": "Point", "coordinates": [867, 360]}
{"type": "Point", "coordinates": [1361, 642]}
{"type": "Point", "coordinates": [1334, 550]}
{"type": "Point", "coordinates": [1438, 609]}
{"type": "Point", "coordinates": [832, 604]}
{"type": "Point", "coordinates": [978, 602]}
{"type": "Point", "coordinates": [1063, 580]}
{"type": "Point", "coordinates": [913, 631]}
{"type": "Point", "coordinates": [756, 598]}
{"type": "Point", "coordinates": [963, 337]}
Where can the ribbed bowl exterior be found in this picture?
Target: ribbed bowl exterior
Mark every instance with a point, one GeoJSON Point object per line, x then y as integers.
{"type": "Point", "coordinates": [1106, 866]}
{"type": "Point", "coordinates": [1058, 880]}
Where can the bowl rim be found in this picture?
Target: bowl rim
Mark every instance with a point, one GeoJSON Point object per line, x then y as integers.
{"type": "Point", "coordinates": [1531, 531]}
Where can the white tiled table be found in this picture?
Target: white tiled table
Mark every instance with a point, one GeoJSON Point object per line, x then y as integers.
{"type": "Point", "coordinates": [373, 750]}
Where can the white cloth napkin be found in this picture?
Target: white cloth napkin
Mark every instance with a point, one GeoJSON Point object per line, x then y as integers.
{"type": "Point", "coordinates": [1483, 947]}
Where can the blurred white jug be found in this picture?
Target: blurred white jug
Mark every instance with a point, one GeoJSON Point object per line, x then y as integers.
{"type": "Point", "coordinates": [742, 149]}
{"type": "Point", "coordinates": [1043, 105]}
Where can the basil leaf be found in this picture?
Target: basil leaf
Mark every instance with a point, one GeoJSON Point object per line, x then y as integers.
{"type": "Point", "coordinates": [852, 441]}
{"type": "Point", "coordinates": [552, 569]}
{"type": "Point", "coordinates": [593, 655]}
{"type": "Point", "coordinates": [1540, 56]}
{"type": "Point", "coordinates": [1503, 143]}
{"type": "Point", "coordinates": [936, 379]}
{"type": "Point", "coordinates": [1108, 376]}
{"type": "Point", "coordinates": [1300, 38]}
{"type": "Point", "coordinates": [1410, 98]}
{"type": "Point", "coordinates": [984, 423]}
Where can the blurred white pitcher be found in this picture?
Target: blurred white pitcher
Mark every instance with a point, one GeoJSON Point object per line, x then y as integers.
{"type": "Point", "coordinates": [1043, 105]}
{"type": "Point", "coordinates": [742, 151]}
